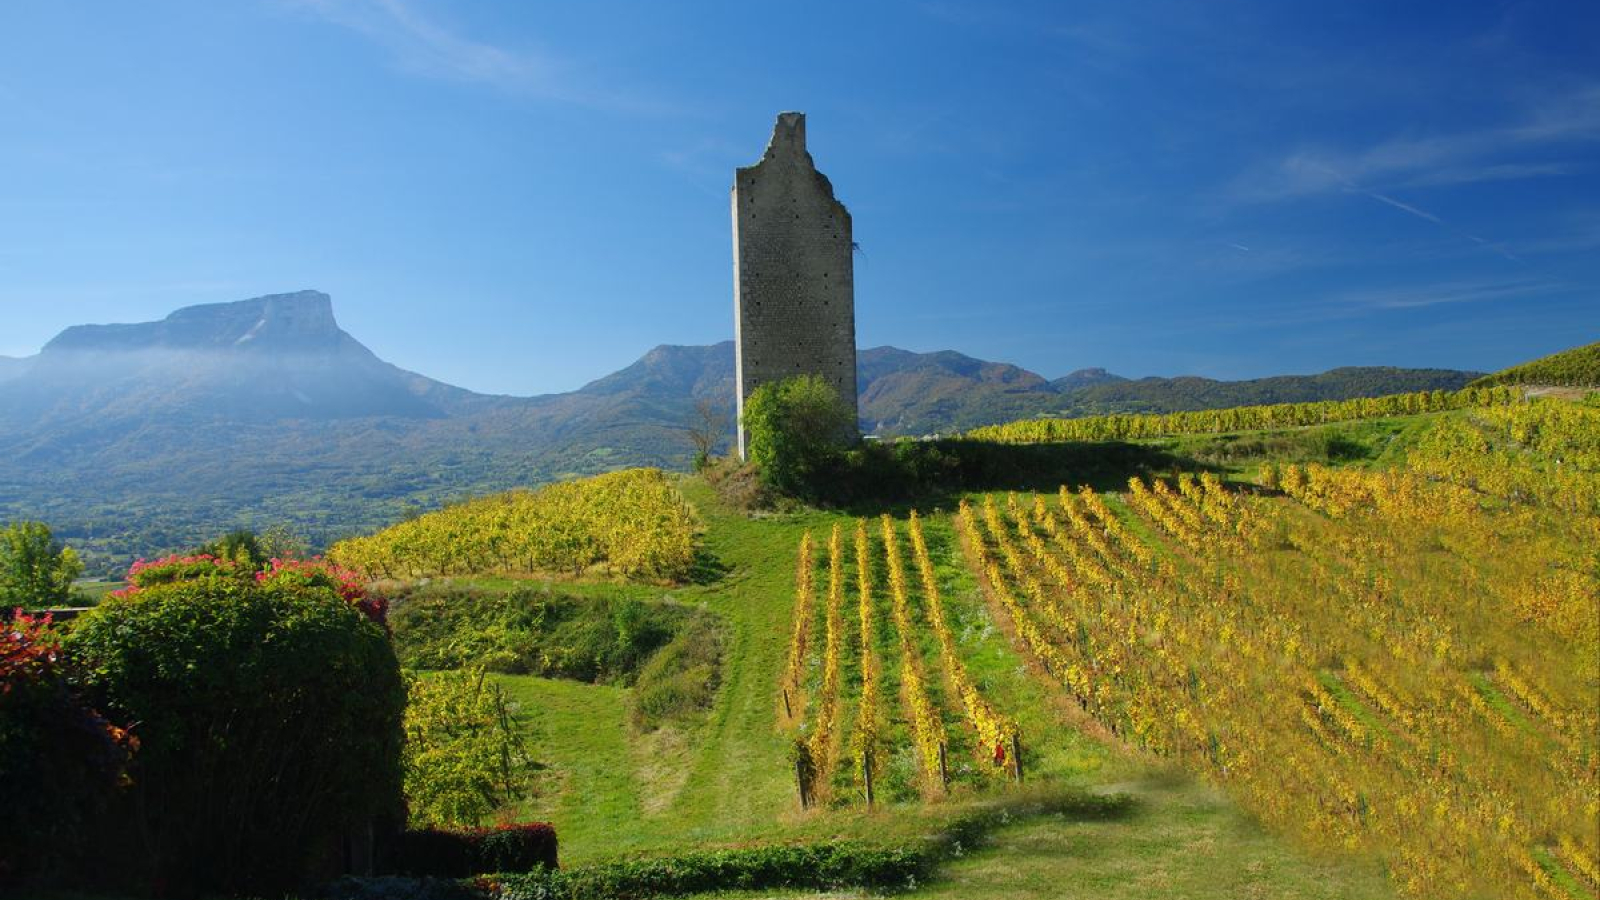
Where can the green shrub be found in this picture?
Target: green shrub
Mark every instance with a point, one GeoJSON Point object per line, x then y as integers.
{"type": "Point", "coordinates": [268, 707]}
{"type": "Point", "coordinates": [465, 758]}
{"type": "Point", "coordinates": [678, 683]}
{"type": "Point", "coordinates": [461, 853]}
{"type": "Point", "coordinates": [530, 631]}
{"type": "Point", "coordinates": [794, 430]}
{"type": "Point", "coordinates": [240, 545]}
{"type": "Point", "coordinates": [827, 866]}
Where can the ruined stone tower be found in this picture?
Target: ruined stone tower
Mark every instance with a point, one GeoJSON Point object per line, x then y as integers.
{"type": "Point", "coordinates": [793, 283]}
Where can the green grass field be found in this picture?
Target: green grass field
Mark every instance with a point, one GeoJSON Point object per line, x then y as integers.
{"type": "Point", "coordinates": [612, 792]}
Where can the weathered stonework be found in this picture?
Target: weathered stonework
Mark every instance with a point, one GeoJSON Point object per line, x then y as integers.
{"type": "Point", "coordinates": [793, 280]}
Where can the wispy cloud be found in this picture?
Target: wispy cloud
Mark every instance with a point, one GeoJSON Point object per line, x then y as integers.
{"type": "Point", "coordinates": [1433, 161]}
{"type": "Point", "coordinates": [1449, 293]}
{"type": "Point", "coordinates": [1552, 128]}
{"type": "Point", "coordinates": [1404, 207]}
{"type": "Point", "coordinates": [424, 46]}
{"type": "Point", "coordinates": [1500, 172]}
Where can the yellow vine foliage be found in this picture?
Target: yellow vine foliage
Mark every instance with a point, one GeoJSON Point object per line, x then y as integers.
{"type": "Point", "coordinates": [866, 737]}
{"type": "Point", "coordinates": [804, 598]}
{"type": "Point", "coordinates": [927, 728]}
{"type": "Point", "coordinates": [992, 727]}
{"type": "Point", "coordinates": [1402, 669]}
{"type": "Point", "coordinates": [1239, 418]}
{"type": "Point", "coordinates": [632, 523]}
{"type": "Point", "coordinates": [822, 733]}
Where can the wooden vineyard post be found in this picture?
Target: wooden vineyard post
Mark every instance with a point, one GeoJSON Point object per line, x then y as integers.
{"type": "Point", "coordinates": [1016, 755]}
{"type": "Point", "coordinates": [944, 769]}
{"type": "Point", "coordinates": [800, 780]}
{"type": "Point", "coordinates": [787, 713]}
{"type": "Point", "coordinates": [804, 771]}
{"type": "Point", "coordinates": [866, 774]}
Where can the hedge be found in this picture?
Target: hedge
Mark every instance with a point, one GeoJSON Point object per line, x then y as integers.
{"type": "Point", "coordinates": [827, 866]}
{"type": "Point", "coordinates": [461, 853]}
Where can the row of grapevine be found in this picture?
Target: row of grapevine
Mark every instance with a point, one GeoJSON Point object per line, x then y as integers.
{"type": "Point", "coordinates": [927, 728]}
{"type": "Point", "coordinates": [870, 734]}
{"type": "Point", "coordinates": [1240, 418]}
{"type": "Point", "coordinates": [993, 729]}
{"type": "Point", "coordinates": [804, 598]}
{"type": "Point", "coordinates": [1412, 709]}
{"type": "Point", "coordinates": [820, 742]}
{"type": "Point", "coordinates": [866, 735]}
{"type": "Point", "coordinates": [632, 523]}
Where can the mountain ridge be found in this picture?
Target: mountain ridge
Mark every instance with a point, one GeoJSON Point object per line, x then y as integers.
{"type": "Point", "coordinates": [141, 438]}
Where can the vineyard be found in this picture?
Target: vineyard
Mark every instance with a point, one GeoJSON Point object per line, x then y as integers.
{"type": "Point", "coordinates": [915, 747]}
{"type": "Point", "coordinates": [1579, 367]}
{"type": "Point", "coordinates": [1401, 663]}
{"type": "Point", "coordinates": [632, 523]}
{"type": "Point", "coordinates": [1240, 418]}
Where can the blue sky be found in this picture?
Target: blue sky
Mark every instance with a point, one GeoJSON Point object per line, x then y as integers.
{"type": "Point", "coordinates": [520, 197]}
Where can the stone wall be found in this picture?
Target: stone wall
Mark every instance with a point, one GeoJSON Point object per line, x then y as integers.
{"type": "Point", "coordinates": [794, 283]}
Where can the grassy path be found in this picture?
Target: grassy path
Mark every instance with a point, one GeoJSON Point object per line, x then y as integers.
{"type": "Point", "coordinates": [727, 782]}
{"type": "Point", "coordinates": [580, 732]}
{"type": "Point", "coordinates": [1184, 841]}
{"type": "Point", "coordinates": [738, 780]}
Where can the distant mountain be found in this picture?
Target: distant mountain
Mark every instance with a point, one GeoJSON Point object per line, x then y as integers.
{"type": "Point", "coordinates": [140, 438]}
{"type": "Point", "coordinates": [12, 367]}
{"type": "Point", "coordinates": [275, 357]}
{"type": "Point", "coordinates": [917, 393]}
{"type": "Point", "coordinates": [1084, 378]}
{"type": "Point", "coordinates": [1191, 392]}
{"type": "Point", "coordinates": [1578, 367]}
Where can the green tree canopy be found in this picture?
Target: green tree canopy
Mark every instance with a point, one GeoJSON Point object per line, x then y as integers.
{"type": "Point", "coordinates": [241, 546]}
{"type": "Point", "coordinates": [36, 571]}
{"type": "Point", "coordinates": [794, 429]}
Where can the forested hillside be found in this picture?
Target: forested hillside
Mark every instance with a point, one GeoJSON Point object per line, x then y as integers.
{"type": "Point", "coordinates": [1578, 367]}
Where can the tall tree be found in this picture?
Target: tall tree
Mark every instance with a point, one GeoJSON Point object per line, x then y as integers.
{"type": "Point", "coordinates": [708, 425]}
{"type": "Point", "coordinates": [36, 571]}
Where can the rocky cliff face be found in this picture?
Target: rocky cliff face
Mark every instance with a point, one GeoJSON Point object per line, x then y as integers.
{"type": "Point", "coordinates": [279, 356]}
{"type": "Point", "coordinates": [301, 323]}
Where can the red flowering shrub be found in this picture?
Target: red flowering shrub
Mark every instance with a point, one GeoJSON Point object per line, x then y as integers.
{"type": "Point", "coordinates": [60, 761]}
{"type": "Point", "coordinates": [149, 573]}
{"type": "Point", "coordinates": [463, 853]}
{"type": "Point", "coordinates": [301, 574]}
{"type": "Point", "coordinates": [28, 650]}
{"type": "Point", "coordinates": [270, 709]}
{"type": "Point", "coordinates": [319, 572]}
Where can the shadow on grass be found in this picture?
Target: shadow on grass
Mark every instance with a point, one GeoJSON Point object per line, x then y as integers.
{"type": "Point", "coordinates": [827, 865]}
{"type": "Point", "coordinates": [936, 474]}
{"type": "Point", "coordinates": [707, 568]}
